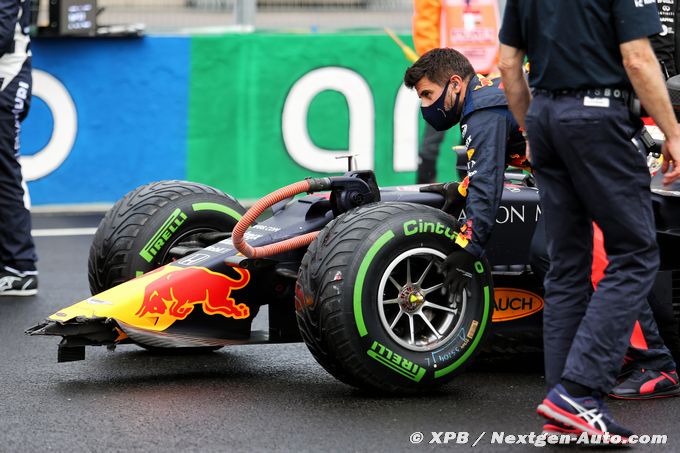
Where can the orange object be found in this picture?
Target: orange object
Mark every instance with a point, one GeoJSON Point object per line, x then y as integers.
{"type": "Point", "coordinates": [513, 303]}
{"type": "Point", "coordinates": [469, 26]}
{"type": "Point", "coordinates": [254, 212]}
{"type": "Point", "coordinates": [426, 23]}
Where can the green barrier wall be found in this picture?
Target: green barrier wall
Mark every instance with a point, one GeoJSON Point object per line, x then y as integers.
{"type": "Point", "coordinates": [243, 105]}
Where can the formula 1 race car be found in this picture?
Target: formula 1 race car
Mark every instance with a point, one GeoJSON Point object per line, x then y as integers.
{"type": "Point", "coordinates": [350, 268]}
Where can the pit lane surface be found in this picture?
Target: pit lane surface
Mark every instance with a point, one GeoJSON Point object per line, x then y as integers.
{"type": "Point", "coordinates": [241, 398]}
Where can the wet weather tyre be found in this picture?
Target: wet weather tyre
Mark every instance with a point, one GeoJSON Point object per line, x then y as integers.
{"type": "Point", "coordinates": [135, 235]}
{"type": "Point", "coordinates": [369, 303]}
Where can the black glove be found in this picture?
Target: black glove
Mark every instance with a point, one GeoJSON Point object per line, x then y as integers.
{"type": "Point", "coordinates": [450, 192]}
{"type": "Point", "coordinates": [458, 269]}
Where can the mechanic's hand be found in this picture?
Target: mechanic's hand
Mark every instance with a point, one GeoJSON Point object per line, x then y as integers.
{"type": "Point", "coordinates": [458, 269]}
{"type": "Point", "coordinates": [450, 192]}
{"type": "Point", "coordinates": [671, 154]}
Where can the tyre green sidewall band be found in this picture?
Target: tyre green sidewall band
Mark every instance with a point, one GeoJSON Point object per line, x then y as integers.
{"type": "Point", "coordinates": [361, 276]}
{"type": "Point", "coordinates": [216, 207]}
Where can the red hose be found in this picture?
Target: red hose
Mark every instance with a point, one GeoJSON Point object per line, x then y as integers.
{"type": "Point", "coordinates": [254, 212]}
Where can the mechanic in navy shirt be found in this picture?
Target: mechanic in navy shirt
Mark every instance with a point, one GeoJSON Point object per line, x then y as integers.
{"type": "Point", "coordinates": [450, 93]}
{"type": "Point", "coordinates": [586, 57]}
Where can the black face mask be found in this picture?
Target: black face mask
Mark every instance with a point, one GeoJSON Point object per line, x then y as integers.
{"type": "Point", "coordinates": [437, 116]}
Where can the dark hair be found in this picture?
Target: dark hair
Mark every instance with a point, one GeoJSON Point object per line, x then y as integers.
{"type": "Point", "coordinates": [439, 65]}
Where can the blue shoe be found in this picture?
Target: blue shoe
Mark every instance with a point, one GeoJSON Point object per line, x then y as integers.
{"type": "Point", "coordinates": [587, 414]}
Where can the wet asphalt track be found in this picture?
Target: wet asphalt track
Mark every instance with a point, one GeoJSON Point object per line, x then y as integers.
{"type": "Point", "coordinates": [244, 398]}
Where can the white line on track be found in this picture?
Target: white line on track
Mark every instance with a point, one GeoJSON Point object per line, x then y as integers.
{"type": "Point", "coordinates": [63, 232]}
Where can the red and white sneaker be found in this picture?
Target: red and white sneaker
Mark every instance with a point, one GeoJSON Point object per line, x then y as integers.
{"type": "Point", "coordinates": [644, 384]}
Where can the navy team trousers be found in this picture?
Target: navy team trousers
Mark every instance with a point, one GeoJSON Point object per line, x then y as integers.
{"type": "Point", "coordinates": [588, 169]}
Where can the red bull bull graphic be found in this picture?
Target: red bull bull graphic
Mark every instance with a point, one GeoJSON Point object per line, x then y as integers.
{"type": "Point", "coordinates": [176, 293]}
{"type": "Point", "coordinates": [158, 299]}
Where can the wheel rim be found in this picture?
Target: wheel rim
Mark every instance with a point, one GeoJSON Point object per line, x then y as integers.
{"type": "Point", "coordinates": [412, 309]}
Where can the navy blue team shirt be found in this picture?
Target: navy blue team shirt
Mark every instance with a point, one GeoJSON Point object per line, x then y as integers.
{"type": "Point", "coordinates": [574, 44]}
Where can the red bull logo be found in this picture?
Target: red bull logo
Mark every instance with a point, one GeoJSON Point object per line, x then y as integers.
{"type": "Point", "coordinates": [483, 82]}
{"type": "Point", "coordinates": [175, 294]}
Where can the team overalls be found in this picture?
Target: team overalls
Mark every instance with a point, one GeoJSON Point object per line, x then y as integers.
{"type": "Point", "coordinates": [16, 245]}
{"type": "Point", "coordinates": [493, 142]}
